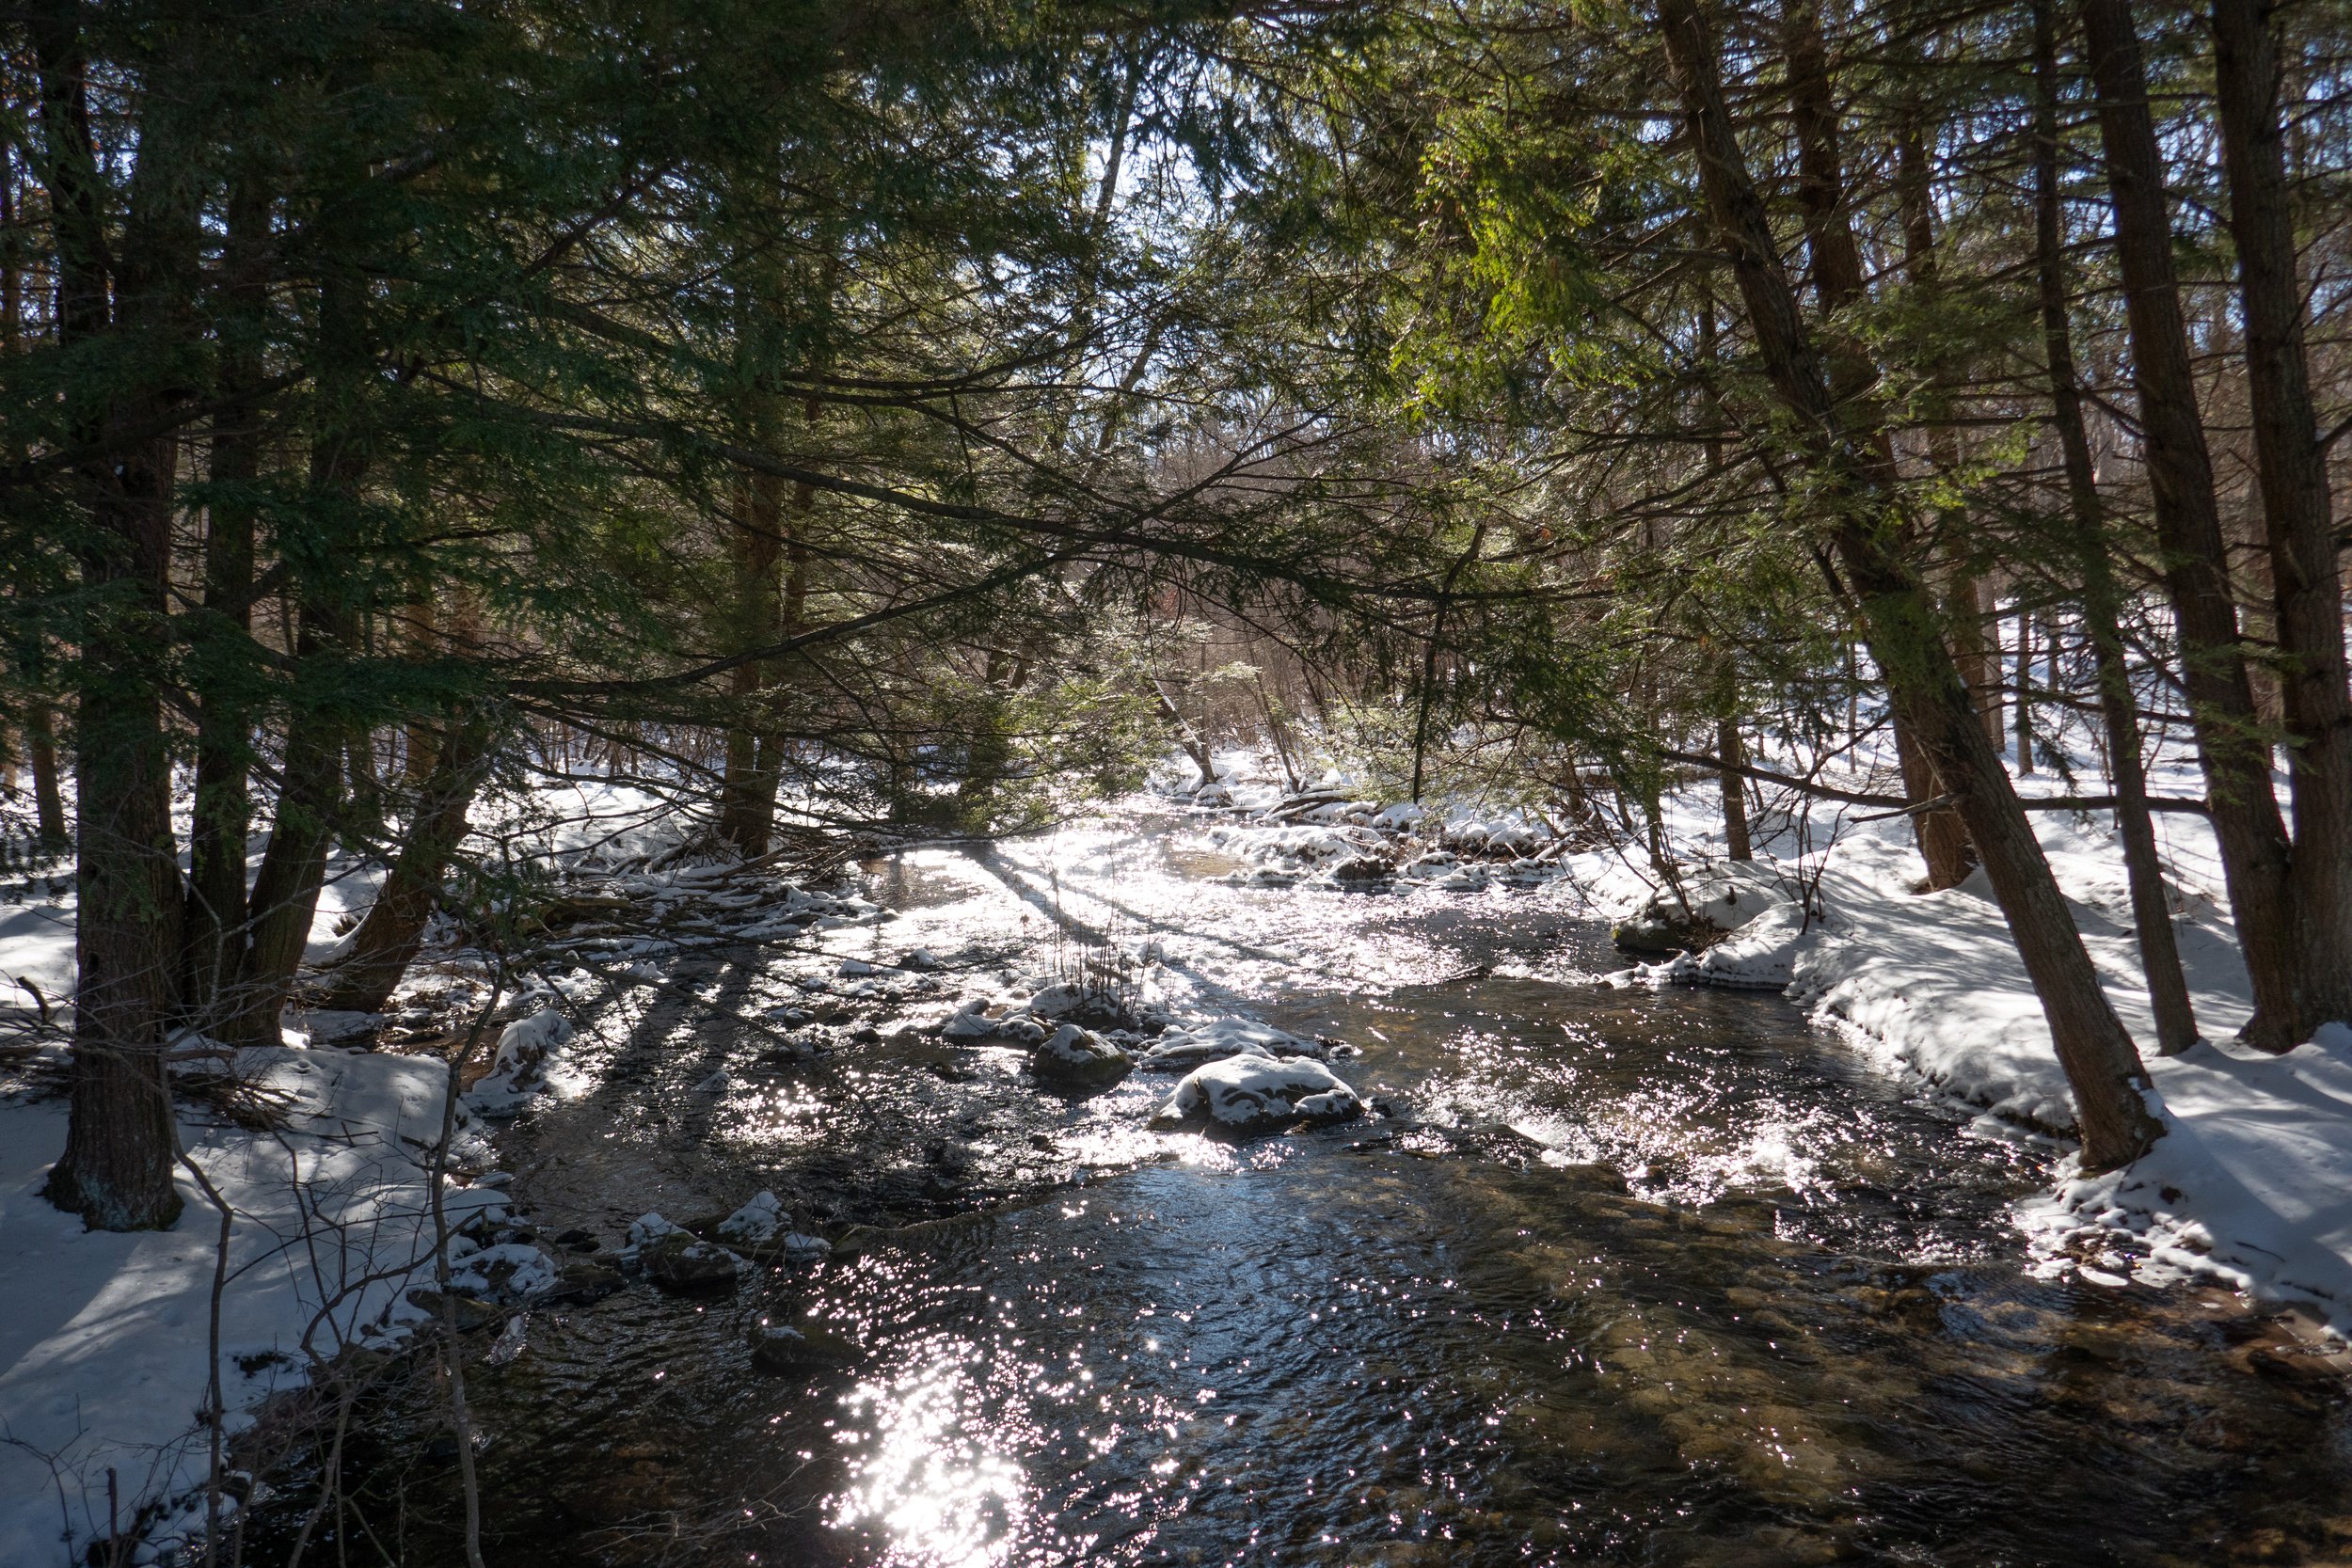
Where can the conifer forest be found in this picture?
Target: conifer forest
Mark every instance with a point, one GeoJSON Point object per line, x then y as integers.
{"type": "Point", "coordinates": [977, 784]}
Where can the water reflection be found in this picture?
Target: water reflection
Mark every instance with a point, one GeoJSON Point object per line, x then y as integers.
{"type": "Point", "coordinates": [924, 1467]}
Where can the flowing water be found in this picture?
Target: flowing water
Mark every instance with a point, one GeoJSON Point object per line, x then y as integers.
{"type": "Point", "coordinates": [1623, 1277]}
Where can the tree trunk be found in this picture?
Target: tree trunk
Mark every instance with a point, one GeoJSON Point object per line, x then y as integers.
{"type": "Point", "coordinates": [121, 1139]}
{"type": "Point", "coordinates": [387, 938]}
{"type": "Point", "coordinates": [748, 794]}
{"type": "Point", "coordinates": [40, 756]}
{"type": "Point", "coordinates": [2297, 511]}
{"type": "Point", "coordinates": [223, 816]}
{"type": "Point", "coordinates": [286, 889]}
{"type": "Point", "coordinates": [1963, 596]}
{"type": "Point", "coordinates": [2024, 689]}
{"type": "Point", "coordinates": [2101, 599]}
{"type": "Point", "coordinates": [1838, 284]}
{"type": "Point", "coordinates": [285, 893]}
{"type": "Point", "coordinates": [2232, 748]}
{"type": "Point", "coordinates": [1729, 747]}
{"type": "Point", "coordinates": [1901, 621]}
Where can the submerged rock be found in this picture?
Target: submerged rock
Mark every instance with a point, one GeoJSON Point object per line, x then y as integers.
{"type": "Point", "coordinates": [781, 1348]}
{"type": "Point", "coordinates": [1258, 1094]}
{"type": "Point", "coordinates": [1075, 1056]}
{"type": "Point", "coordinates": [578, 1284]}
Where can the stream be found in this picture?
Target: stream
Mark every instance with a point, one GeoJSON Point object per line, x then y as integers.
{"type": "Point", "coordinates": [1671, 1278]}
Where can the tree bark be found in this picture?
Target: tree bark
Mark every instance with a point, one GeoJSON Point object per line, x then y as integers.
{"type": "Point", "coordinates": [285, 896]}
{"type": "Point", "coordinates": [1734, 752]}
{"type": "Point", "coordinates": [223, 816]}
{"type": "Point", "coordinates": [387, 938]}
{"type": "Point", "coordinates": [2102, 597]}
{"type": "Point", "coordinates": [1838, 284]}
{"type": "Point", "coordinates": [2298, 511]}
{"type": "Point", "coordinates": [116, 1171]}
{"type": "Point", "coordinates": [285, 893]}
{"type": "Point", "coordinates": [1901, 621]}
{"type": "Point", "coordinates": [755, 544]}
{"type": "Point", "coordinates": [1964, 595]}
{"type": "Point", "coordinates": [2234, 752]}
{"type": "Point", "coordinates": [2024, 689]}
{"type": "Point", "coordinates": [40, 756]}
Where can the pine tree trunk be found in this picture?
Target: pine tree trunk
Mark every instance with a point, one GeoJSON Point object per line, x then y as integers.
{"type": "Point", "coordinates": [1900, 620]}
{"type": "Point", "coordinates": [285, 897]}
{"type": "Point", "coordinates": [1964, 595]}
{"type": "Point", "coordinates": [387, 938]}
{"type": "Point", "coordinates": [40, 756]}
{"type": "Point", "coordinates": [1838, 284]}
{"type": "Point", "coordinates": [1734, 755]}
{"type": "Point", "coordinates": [2231, 746]}
{"type": "Point", "coordinates": [2298, 511]}
{"type": "Point", "coordinates": [2101, 599]}
{"type": "Point", "coordinates": [748, 793]}
{"type": "Point", "coordinates": [121, 1139]}
{"type": "Point", "coordinates": [223, 814]}
{"type": "Point", "coordinates": [2025, 690]}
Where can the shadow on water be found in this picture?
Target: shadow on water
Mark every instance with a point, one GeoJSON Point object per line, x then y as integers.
{"type": "Point", "coordinates": [1628, 1278]}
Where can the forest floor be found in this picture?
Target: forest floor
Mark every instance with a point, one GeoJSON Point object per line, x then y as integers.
{"type": "Point", "coordinates": [107, 1353]}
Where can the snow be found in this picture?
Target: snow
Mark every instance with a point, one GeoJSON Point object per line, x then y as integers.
{"type": "Point", "coordinates": [2251, 1181]}
{"type": "Point", "coordinates": [756, 1221]}
{"type": "Point", "coordinates": [1180, 1050]}
{"type": "Point", "coordinates": [1250, 1093]}
{"type": "Point", "coordinates": [526, 1064]}
{"type": "Point", "coordinates": [104, 1348]}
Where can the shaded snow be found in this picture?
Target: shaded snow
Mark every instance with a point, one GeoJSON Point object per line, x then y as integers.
{"type": "Point", "coordinates": [103, 1349]}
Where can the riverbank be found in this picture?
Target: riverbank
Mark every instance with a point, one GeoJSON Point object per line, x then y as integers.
{"type": "Point", "coordinates": [2252, 1184]}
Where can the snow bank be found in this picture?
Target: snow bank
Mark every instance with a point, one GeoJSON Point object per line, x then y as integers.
{"type": "Point", "coordinates": [2250, 1183]}
{"type": "Point", "coordinates": [103, 1351]}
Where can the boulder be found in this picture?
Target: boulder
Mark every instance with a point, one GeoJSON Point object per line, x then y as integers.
{"type": "Point", "coordinates": [1075, 1056]}
{"type": "Point", "coordinates": [760, 1219]}
{"type": "Point", "coordinates": [509, 1273]}
{"type": "Point", "coordinates": [1710, 905]}
{"type": "Point", "coordinates": [469, 1314]}
{"type": "Point", "coordinates": [1257, 1094]}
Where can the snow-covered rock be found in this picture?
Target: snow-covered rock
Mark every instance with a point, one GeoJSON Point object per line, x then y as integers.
{"type": "Point", "coordinates": [679, 1261]}
{"type": "Point", "coordinates": [1258, 1094]}
{"type": "Point", "coordinates": [757, 1221]}
{"type": "Point", "coordinates": [1710, 904]}
{"type": "Point", "coordinates": [526, 1063]}
{"type": "Point", "coordinates": [647, 1228]}
{"type": "Point", "coordinates": [970, 1021]}
{"type": "Point", "coordinates": [1075, 1056]}
{"type": "Point", "coordinates": [1182, 1049]}
{"type": "Point", "coordinates": [508, 1273]}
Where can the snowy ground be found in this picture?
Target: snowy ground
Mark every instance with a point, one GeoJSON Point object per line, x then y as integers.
{"type": "Point", "coordinates": [104, 1350]}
